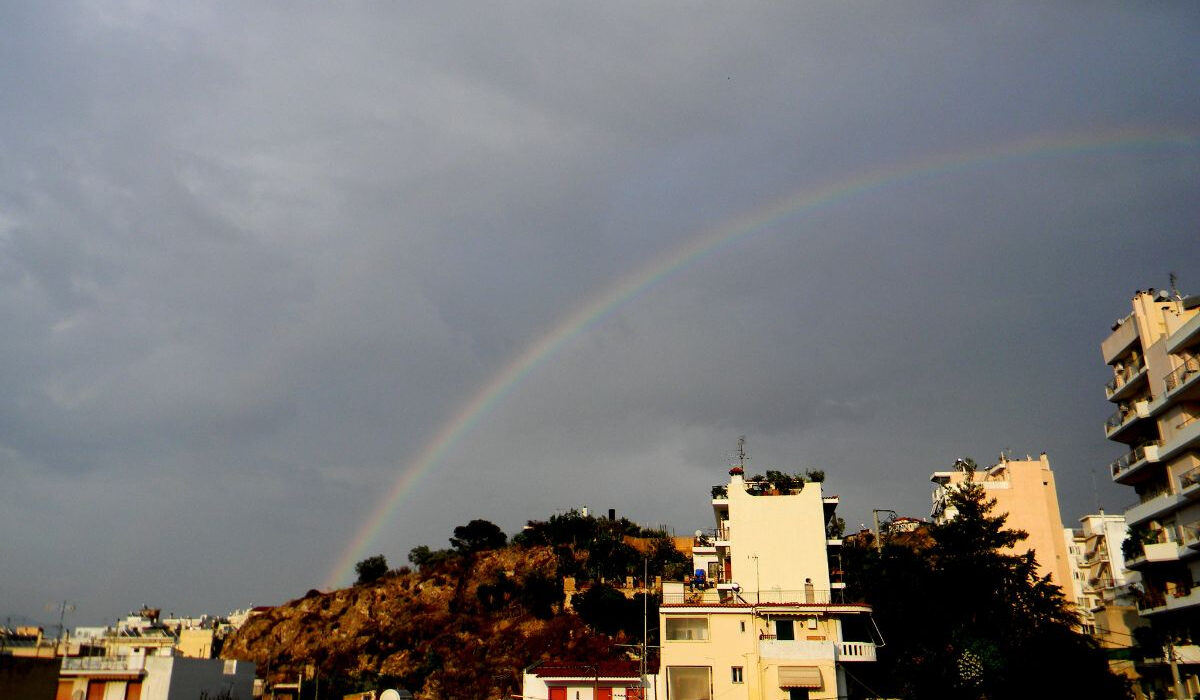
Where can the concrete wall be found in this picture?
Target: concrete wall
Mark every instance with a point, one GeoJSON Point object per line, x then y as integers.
{"type": "Point", "coordinates": [28, 678]}
{"type": "Point", "coordinates": [777, 541]}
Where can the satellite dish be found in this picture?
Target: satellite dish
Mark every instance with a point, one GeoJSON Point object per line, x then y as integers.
{"type": "Point", "coordinates": [699, 533]}
{"type": "Point", "coordinates": [389, 694]}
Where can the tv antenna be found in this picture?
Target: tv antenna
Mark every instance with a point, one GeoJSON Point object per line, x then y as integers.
{"type": "Point", "coordinates": [741, 452]}
{"type": "Point", "coordinates": [1174, 290]}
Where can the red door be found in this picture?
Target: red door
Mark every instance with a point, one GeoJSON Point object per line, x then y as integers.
{"type": "Point", "coordinates": [603, 693]}
{"type": "Point", "coordinates": [558, 693]}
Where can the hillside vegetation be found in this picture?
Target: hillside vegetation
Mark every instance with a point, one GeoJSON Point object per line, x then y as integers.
{"type": "Point", "coordinates": [468, 619]}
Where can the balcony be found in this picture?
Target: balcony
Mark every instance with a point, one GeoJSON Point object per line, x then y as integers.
{"type": "Point", "coordinates": [1124, 417]}
{"type": "Point", "coordinates": [1122, 339]}
{"type": "Point", "coordinates": [1183, 598]}
{"type": "Point", "coordinates": [1154, 553]}
{"type": "Point", "coordinates": [1152, 507]}
{"type": "Point", "coordinates": [1128, 465]}
{"type": "Point", "coordinates": [856, 651]}
{"type": "Point", "coordinates": [1185, 335]}
{"type": "Point", "coordinates": [103, 665]}
{"type": "Point", "coordinates": [1126, 381]}
{"type": "Point", "coordinates": [1182, 380]}
{"type": "Point", "coordinates": [1189, 483]}
{"type": "Point", "coordinates": [1185, 436]}
{"type": "Point", "coordinates": [805, 650]}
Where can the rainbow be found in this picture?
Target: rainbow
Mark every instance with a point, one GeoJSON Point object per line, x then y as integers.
{"type": "Point", "coordinates": [709, 243]}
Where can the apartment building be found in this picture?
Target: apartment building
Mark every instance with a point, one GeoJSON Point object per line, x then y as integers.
{"type": "Point", "coordinates": [138, 676]}
{"type": "Point", "coordinates": [1024, 490]}
{"type": "Point", "coordinates": [1154, 356]}
{"type": "Point", "coordinates": [1104, 589]}
{"type": "Point", "coordinates": [765, 616]}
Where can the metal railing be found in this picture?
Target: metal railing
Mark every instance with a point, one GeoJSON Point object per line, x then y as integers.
{"type": "Point", "coordinates": [1116, 420]}
{"type": "Point", "coordinates": [1130, 458]}
{"type": "Point", "coordinates": [103, 663]}
{"type": "Point", "coordinates": [1179, 376]}
{"type": "Point", "coordinates": [1189, 478]}
{"type": "Point", "coordinates": [1125, 375]}
{"type": "Point", "coordinates": [811, 596]}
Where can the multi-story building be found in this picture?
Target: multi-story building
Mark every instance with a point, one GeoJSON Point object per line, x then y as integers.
{"type": "Point", "coordinates": [765, 616]}
{"type": "Point", "coordinates": [1154, 354]}
{"type": "Point", "coordinates": [1103, 589]}
{"type": "Point", "coordinates": [138, 676]}
{"type": "Point", "coordinates": [1024, 490]}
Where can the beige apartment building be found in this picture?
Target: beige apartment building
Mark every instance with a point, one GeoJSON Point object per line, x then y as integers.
{"type": "Point", "coordinates": [765, 616]}
{"type": "Point", "coordinates": [1025, 491]}
{"type": "Point", "coordinates": [1154, 355]}
{"type": "Point", "coordinates": [1103, 589]}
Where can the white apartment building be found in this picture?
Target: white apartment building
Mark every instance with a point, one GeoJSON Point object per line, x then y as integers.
{"type": "Point", "coordinates": [767, 619]}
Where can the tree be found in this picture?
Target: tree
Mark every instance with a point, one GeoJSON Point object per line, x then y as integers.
{"type": "Point", "coordinates": [477, 536]}
{"type": "Point", "coordinates": [966, 617]}
{"type": "Point", "coordinates": [371, 569]}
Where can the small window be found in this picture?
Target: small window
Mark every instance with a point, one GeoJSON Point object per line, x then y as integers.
{"type": "Point", "coordinates": [735, 674]}
{"type": "Point", "coordinates": [742, 625]}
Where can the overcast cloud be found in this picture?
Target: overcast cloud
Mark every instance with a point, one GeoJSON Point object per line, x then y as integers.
{"type": "Point", "coordinates": [254, 255]}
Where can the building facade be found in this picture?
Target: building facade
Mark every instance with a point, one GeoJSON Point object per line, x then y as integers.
{"type": "Point", "coordinates": [765, 616]}
{"type": "Point", "coordinates": [1154, 356]}
{"type": "Point", "coordinates": [1024, 490]}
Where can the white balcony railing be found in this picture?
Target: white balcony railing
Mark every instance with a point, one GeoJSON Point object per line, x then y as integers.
{"type": "Point", "coordinates": [856, 651]}
{"type": "Point", "coordinates": [111, 664]}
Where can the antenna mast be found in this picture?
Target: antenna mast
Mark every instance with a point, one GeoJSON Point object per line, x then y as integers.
{"type": "Point", "coordinates": [741, 453]}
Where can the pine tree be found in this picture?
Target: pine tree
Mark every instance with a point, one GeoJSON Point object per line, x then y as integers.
{"type": "Point", "coordinates": [966, 616]}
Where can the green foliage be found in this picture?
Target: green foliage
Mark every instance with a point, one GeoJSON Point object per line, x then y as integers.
{"type": "Point", "coordinates": [815, 475]}
{"type": "Point", "coordinates": [607, 611]}
{"type": "Point", "coordinates": [477, 536]}
{"type": "Point", "coordinates": [541, 595]}
{"type": "Point", "coordinates": [966, 618]}
{"type": "Point", "coordinates": [835, 528]}
{"type": "Point", "coordinates": [371, 569]}
{"type": "Point", "coordinates": [425, 558]}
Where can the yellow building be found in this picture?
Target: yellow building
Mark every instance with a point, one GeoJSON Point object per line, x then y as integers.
{"type": "Point", "coordinates": [767, 619]}
{"type": "Point", "coordinates": [1025, 491]}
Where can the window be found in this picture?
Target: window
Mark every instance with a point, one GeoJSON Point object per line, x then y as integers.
{"type": "Point", "coordinates": [689, 683]}
{"type": "Point", "coordinates": [687, 629]}
{"type": "Point", "coordinates": [797, 693]}
{"type": "Point", "coordinates": [785, 630]}
{"type": "Point", "coordinates": [742, 625]}
{"type": "Point", "coordinates": [735, 674]}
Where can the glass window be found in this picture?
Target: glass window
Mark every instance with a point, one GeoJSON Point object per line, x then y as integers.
{"type": "Point", "coordinates": [689, 683]}
{"type": "Point", "coordinates": [687, 629]}
{"type": "Point", "coordinates": [735, 674]}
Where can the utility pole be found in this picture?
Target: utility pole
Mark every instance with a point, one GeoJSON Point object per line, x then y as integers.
{"type": "Point", "coordinates": [879, 533]}
{"type": "Point", "coordinates": [1170, 650]}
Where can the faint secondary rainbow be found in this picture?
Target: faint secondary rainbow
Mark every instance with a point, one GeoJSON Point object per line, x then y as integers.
{"type": "Point", "coordinates": [707, 243]}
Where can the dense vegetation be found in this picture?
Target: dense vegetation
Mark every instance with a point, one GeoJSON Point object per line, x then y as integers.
{"type": "Point", "coordinates": [966, 617]}
{"type": "Point", "coordinates": [469, 618]}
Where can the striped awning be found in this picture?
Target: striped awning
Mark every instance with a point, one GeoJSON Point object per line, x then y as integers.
{"type": "Point", "coordinates": [799, 677]}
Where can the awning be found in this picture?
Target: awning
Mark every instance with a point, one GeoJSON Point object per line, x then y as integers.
{"type": "Point", "coordinates": [799, 677]}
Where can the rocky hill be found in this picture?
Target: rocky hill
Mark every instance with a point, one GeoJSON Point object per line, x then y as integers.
{"type": "Point", "coordinates": [463, 626]}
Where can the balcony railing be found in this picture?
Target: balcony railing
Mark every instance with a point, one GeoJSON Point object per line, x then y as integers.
{"type": "Point", "coordinates": [1183, 373]}
{"type": "Point", "coordinates": [123, 664]}
{"type": "Point", "coordinates": [1146, 450]}
{"type": "Point", "coordinates": [1189, 478]}
{"type": "Point", "coordinates": [837, 596]}
{"type": "Point", "coordinates": [856, 651]}
{"type": "Point", "coordinates": [1123, 377]}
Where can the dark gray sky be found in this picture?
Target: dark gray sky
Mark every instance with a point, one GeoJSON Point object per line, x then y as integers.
{"type": "Point", "coordinates": [253, 256]}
